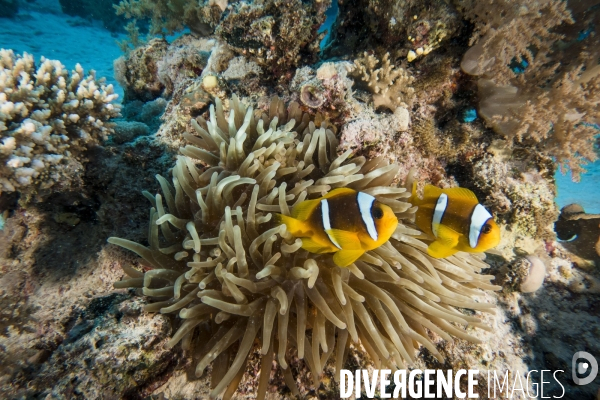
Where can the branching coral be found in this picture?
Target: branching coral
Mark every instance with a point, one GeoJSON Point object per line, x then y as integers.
{"type": "Point", "coordinates": [511, 30]}
{"type": "Point", "coordinates": [534, 88]}
{"type": "Point", "coordinates": [216, 258]}
{"type": "Point", "coordinates": [390, 85]}
{"type": "Point", "coordinates": [48, 118]}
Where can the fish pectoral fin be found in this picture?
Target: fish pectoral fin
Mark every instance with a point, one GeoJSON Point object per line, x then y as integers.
{"type": "Point", "coordinates": [438, 249]}
{"type": "Point", "coordinates": [303, 210]}
{"type": "Point", "coordinates": [447, 236]}
{"type": "Point", "coordinates": [345, 239]}
{"type": "Point", "coordinates": [343, 258]}
{"type": "Point", "coordinates": [311, 246]}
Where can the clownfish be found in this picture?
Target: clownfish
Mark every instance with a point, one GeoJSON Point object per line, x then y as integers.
{"type": "Point", "coordinates": [345, 222]}
{"type": "Point", "coordinates": [456, 219]}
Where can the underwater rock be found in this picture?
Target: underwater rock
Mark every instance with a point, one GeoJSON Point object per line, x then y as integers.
{"type": "Point", "coordinates": [137, 72]}
{"type": "Point", "coordinates": [396, 26]}
{"type": "Point", "coordinates": [185, 59]}
{"type": "Point", "coordinates": [326, 91]}
{"type": "Point", "coordinates": [239, 68]}
{"type": "Point", "coordinates": [126, 131]}
{"type": "Point", "coordinates": [276, 34]}
{"type": "Point", "coordinates": [580, 233]}
{"type": "Point", "coordinates": [520, 192]}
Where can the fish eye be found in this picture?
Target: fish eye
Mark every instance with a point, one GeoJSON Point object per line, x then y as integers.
{"type": "Point", "coordinates": [487, 228]}
{"type": "Point", "coordinates": [377, 213]}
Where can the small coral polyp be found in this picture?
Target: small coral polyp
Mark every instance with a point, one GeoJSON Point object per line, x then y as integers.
{"type": "Point", "coordinates": [217, 258]}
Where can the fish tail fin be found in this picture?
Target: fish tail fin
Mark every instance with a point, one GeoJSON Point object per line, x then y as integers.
{"type": "Point", "coordinates": [294, 226]}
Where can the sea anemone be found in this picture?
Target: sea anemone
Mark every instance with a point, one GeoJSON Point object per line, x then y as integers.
{"type": "Point", "coordinates": [217, 258]}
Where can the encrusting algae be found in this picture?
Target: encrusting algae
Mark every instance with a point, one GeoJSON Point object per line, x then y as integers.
{"type": "Point", "coordinates": [218, 259]}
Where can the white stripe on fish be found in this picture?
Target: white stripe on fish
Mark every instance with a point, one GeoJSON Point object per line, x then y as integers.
{"type": "Point", "coordinates": [438, 213]}
{"type": "Point", "coordinates": [365, 203]}
{"type": "Point", "coordinates": [479, 217]}
{"type": "Point", "coordinates": [327, 222]}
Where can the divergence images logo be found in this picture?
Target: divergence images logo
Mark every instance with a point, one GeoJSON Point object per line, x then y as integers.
{"type": "Point", "coordinates": [580, 367]}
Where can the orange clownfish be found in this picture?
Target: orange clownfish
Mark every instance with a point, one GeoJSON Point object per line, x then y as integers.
{"type": "Point", "coordinates": [456, 219]}
{"type": "Point", "coordinates": [345, 222]}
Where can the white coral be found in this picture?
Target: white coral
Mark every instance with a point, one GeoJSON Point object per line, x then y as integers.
{"type": "Point", "coordinates": [46, 115]}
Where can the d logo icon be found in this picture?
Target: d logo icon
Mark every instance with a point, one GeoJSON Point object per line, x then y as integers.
{"type": "Point", "coordinates": [582, 367]}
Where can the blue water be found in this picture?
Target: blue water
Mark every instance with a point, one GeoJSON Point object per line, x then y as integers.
{"type": "Point", "coordinates": [586, 193]}
{"type": "Point", "coordinates": [331, 14]}
{"type": "Point", "coordinates": [57, 36]}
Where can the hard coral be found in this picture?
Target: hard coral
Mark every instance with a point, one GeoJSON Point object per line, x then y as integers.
{"type": "Point", "coordinates": [390, 85]}
{"type": "Point", "coordinates": [48, 119]}
{"type": "Point", "coordinates": [276, 34]}
{"type": "Point", "coordinates": [216, 258]}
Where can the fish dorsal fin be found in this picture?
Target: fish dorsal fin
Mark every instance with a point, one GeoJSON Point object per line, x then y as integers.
{"type": "Point", "coordinates": [338, 192]}
{"type": "Point", "coordinates": [438, 249]}
{"type": "Point", "coordinates": [343, 258]}
{"type": "Point", "coordinates": [447, 236]}
{"type": "Point", "coordinates": [303, 210]}
{"type": "Point", "coordinates": [344, 239]}
{"type": "Point", "coordinates": [431, 191]}
{"type": "Point", "coordinates": [461, 193]}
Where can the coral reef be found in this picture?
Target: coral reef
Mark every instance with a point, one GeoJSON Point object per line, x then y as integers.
{"type": "Point", "coordinates": [326, 91]}
{"type": "Point", "coordinates": [137, 72]}
{"type": "Point", "coordinates": [217, 260]}
{"type": "Point", "coordinates": [537, 87]}
{"type": "Point", "coordinates": [48, 119]}
{"type": "Point", "coordinates": [278, 35]}
{"type": "Point", "coordinates": [168, 17]}
{"type": "Point", "coordinates": [396, 26]}
{"type": "Point", "coordinates": [390, 85]}
{"type": "Point", "coordinates": [185, 59]}
{"type": "Point", "coordinates": [517, 191]}
{"type": "Point", "coordinates": [582, 233]}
